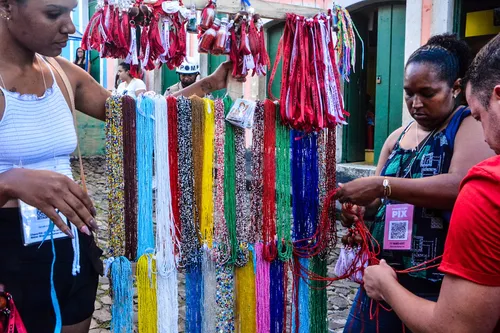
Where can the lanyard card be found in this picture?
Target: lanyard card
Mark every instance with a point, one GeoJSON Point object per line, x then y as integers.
{"type": "Point", "coordinates": [35, 225]}
{"type": "Point", "coordinates": [398, 227]}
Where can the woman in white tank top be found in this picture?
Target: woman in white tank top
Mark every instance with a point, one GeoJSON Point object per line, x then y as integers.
{"type": "Point", "coordinates": [37, 136]}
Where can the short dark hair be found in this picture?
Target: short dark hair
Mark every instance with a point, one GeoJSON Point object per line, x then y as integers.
{"type": "Point", "coordinates": [125, 66]}
{"type": "Point", "coordinates": [484, 72]}
{"type": "Point", "coordinates": [448, 54]}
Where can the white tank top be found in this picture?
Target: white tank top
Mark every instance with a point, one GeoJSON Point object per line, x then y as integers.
{"type": "Point", "coordinates": [37, 132]}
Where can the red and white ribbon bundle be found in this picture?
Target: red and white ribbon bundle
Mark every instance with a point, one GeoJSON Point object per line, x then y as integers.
{"type": "Point", "coordinates": [108, 30]}
{"type": "Point", "coordinates": [242, 39]}
{"type": "Point", "coordinates": [258, 46]}
{"type": "Point", "coordinates": [141, 34]}
{"type": "Point", "coordinates": [247, 50]}
{"type": "Point", "coordinates": [311, 98]}
{"type": "Point", "coordinates": [172, 17]}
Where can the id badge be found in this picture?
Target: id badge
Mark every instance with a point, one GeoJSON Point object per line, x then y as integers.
{"type": "Point", "coordinates": [398, 227]}
{"type": "Point", "coordinates": [35, 225]}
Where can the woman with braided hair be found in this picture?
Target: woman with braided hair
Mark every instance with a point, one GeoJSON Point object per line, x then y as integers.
{"type": "Point", "coordinates": [420, 168]}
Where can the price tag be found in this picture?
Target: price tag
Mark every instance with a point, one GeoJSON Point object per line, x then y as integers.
{"type": "Point", "coordinates": [35, 225]}
{"type": "Point", "coordinates": [398, 227]}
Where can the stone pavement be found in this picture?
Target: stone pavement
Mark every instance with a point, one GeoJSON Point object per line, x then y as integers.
{"type": "Point", "coordinates": [340, 294]}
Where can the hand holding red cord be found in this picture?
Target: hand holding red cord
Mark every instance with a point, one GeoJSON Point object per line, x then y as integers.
{"type": "Point", "coordinates": [375, 277]}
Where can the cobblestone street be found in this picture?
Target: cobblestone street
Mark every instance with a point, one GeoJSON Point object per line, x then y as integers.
{"type": "Point", "coordinates": [340, 294]}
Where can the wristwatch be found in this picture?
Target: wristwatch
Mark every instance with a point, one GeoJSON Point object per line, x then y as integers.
{"type": "Point", "coordinates": [387, 188]}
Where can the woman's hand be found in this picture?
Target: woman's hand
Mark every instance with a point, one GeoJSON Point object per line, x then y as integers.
{"type": "Point", "coordinates": [361, 191]}
{"type": "Point", "coordinates": [48, 191]}
{"type": "Point", "coordinates": [350, 215]}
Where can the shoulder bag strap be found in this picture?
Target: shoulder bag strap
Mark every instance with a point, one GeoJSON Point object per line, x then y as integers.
{"type": "Point", "coordinates": [53, 62]}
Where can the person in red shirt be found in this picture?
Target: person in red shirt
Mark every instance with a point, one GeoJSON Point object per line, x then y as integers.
{"type": "Point", "coordinates": [469, 300]}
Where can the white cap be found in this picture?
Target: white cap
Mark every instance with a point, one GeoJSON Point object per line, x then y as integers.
{"type": "Point", "coordinates": [188, 66]}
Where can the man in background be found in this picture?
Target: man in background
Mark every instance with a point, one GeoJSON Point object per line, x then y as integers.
{"type": "Point", "coordinates": [188, 73]}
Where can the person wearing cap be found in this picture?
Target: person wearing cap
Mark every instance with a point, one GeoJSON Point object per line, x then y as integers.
{"type": "Point", "coordinates": [188, 73]}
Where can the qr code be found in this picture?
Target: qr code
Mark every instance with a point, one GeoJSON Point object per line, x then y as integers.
{"type": "Point", "coordinates": [40, 215]}
{"type": "Point", "coordinates": [398, 230]}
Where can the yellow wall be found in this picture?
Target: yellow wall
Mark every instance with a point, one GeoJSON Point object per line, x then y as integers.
{"type": "Point", "coordinates": [480, 24]}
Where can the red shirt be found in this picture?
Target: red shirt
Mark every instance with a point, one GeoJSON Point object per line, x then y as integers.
{"type": "Point", "coordinates": [472, 249]}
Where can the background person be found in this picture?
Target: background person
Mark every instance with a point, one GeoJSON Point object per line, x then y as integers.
{"type": "Point", "coordinates": [81, 60]}
{"type": "Point", "coordinates": [129, 85]}
{"type": "Point", "coordinates": [188, 73]}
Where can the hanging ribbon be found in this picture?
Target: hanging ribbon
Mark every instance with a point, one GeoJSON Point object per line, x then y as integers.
{"type": "Point", "coordinates": [146, 294]}
{"type": "Point", "coordinates": [224, 275]}
{"type": "Point", "coordinates": [123, 295]}
{"type": "Point", "coordinates": [174, 167]}
{"type": "Point", "coordinates": [243, 228]}
{"type": "Point", "coordinates": [194, 298]}
{"type": "Point", "coordinates": [230, 184]}
{"type": "Point", "coordinates": [198, 125]}
{"type": "Point", "coordinates": [130, 175]}
{"type": "Point", "coordinates": [262, 286]}
{"type": "Point", "coordinates": [277, 297]}
{"type": "Point", "coordinates": [245, 297]}
{"type": "Point", "coordinates": [168, 307]}
{"type": "Point", "coordinates": [283, 185]}
{"type": "Point", "coordinates": [145, 140]}
{"type": "Point", "coordinates": [190, 245]}
{"type": "Point", "coordinates": [257, 172]}
{"type": "Point", "coordinates": [189, 238]}
{"type": "Point", "coordinates": [207, 184]}
{"type": "Point", "coordinates": [221, 233]}
{"type": "Point", "coordinates": [269, 182]}
{"type": "Point", "coordinates": [311, 97]}
{"type": "Point", "coordinates": [318, 297]}
{"type": "Point", "coordinates": [209, 292]}
{"type": "Point", "coordinates": [300, 311]}
{"type": "Point", "coordinates": [115, 172]}
{"type": "Point", "coordinates": [137, 32]}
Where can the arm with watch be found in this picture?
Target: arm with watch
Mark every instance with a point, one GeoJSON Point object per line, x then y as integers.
{"type": "Point", "coordinates": [438, 192]}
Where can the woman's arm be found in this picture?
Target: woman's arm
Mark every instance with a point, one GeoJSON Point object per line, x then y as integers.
{"type": "Point", "coordinates": [90, 96]}
{"type": "Point", "coordinates": [440, 191]}
{"type": "Point", "coordinates": [370, 208]}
